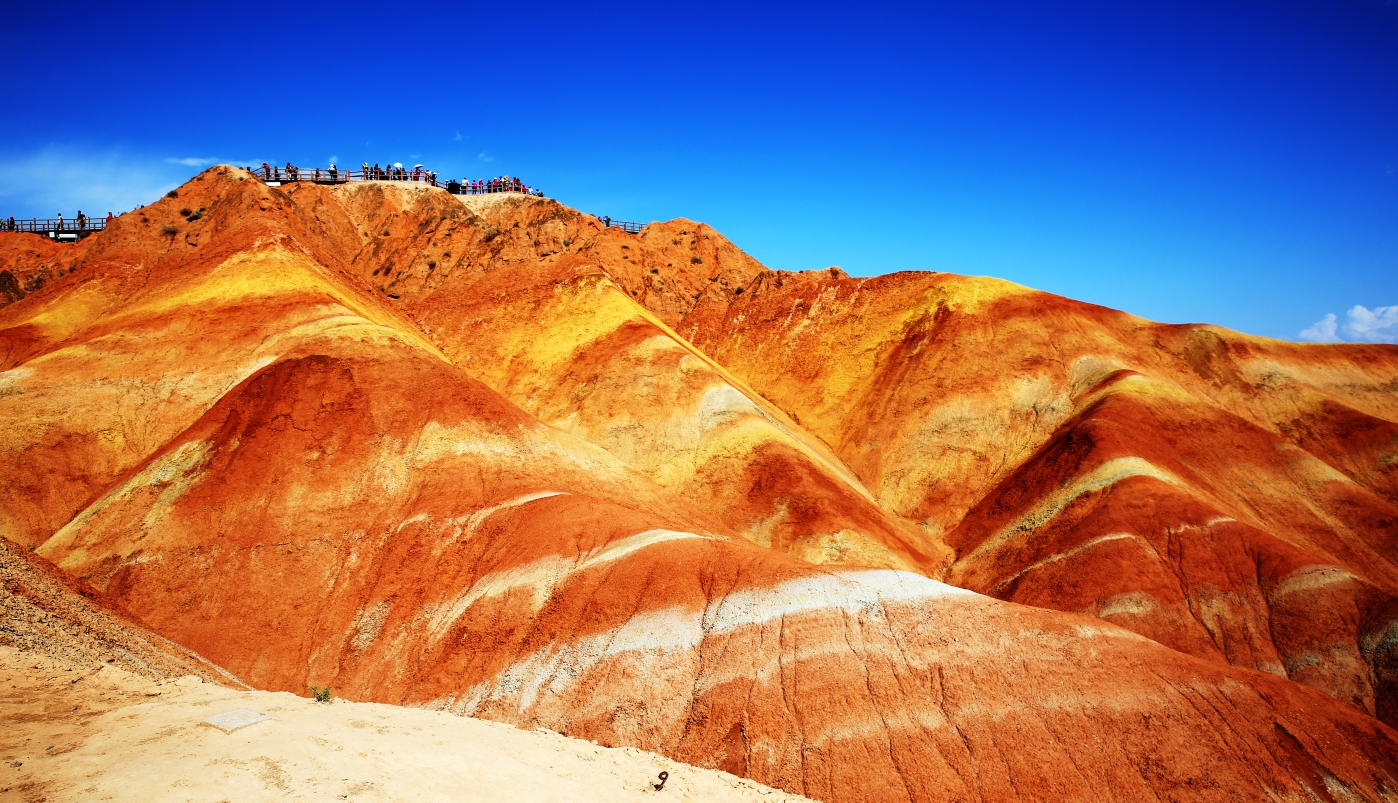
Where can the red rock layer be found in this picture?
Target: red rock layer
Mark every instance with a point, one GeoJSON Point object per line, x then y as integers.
{"type": "Point", "coordinates": [1226, 495]}
{"type": "Point", "coordinates": [283, 453]}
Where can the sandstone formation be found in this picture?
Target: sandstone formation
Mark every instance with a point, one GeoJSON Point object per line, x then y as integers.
{"type": "Point", "coordinates": [485, 455]}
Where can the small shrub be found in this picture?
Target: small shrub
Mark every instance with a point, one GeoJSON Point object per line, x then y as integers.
{"type": "Point", "coordinates": [491, 233]}
{"type": "Point", "coordinates": [674, 242]}
{"type": "Point", "coordinates": [194, 217]}
{"type": "Point", "coordinates": [431, 263]}
{"type": "Point", "coordinates": [655, 270]}
{"type": "Point", "coordinates": [626, 248]}
{"type": "Point", "coordinates": [696, 260]}
{"type": "Point", "coordinates": [172, 194]}
{"type": "Point", "coordinates": [168, 230]}
{"type": "Point", "coordinates": [185, 212]}
{"type": "Point", "coordinates": [446, 255]}
{"type": "Point", "coordinates": [321, 695]}
{"type": "Point", "coordinates": [567, 243]}
{"type": "Point", "coordinates": [738, 292]}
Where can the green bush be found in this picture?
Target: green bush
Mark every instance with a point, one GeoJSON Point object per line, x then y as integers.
{"type": "Point", "coordinates": [172, 194]}
{"type": "Point", "coordinates": [696, 260]}
{"type": "Point", "coordinates": [321, 695]}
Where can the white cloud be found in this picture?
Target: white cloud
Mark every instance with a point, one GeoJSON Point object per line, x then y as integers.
{"type": "Point", "coordinates": [60, 179]}
{"type": "Point", "coordinates": [1322, 332]}
{"type": "Point", "coordinates": [457, 138]}
{"type": "Point", "coordinates": [485, 157]}
{"type": "Point", "coordinates": [1379, 325]}
{"type": "Point", "coordinates": [192, 161]}
{"type": "Point", "coordinates": [1362, 325]}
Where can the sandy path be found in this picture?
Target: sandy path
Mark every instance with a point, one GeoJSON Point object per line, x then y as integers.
{"type": "Point", "coordinates": [79, 732]}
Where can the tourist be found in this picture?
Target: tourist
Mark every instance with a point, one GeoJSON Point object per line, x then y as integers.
{"type": "Point", "coordinates": [266, 171]}
{"type": "Point", "coordinates": [109, 218]}
{"type": "Point", "coordinates": [334, 173]}
{"type": "Point", "coordinates": [81, 220]}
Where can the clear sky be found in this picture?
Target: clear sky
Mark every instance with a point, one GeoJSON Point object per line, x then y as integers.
{"type": "Point", "coordinates": [1223, 162]}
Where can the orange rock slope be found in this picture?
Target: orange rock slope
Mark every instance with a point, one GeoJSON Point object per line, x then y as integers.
{"type": "Point", "coordinates": [484, 455]}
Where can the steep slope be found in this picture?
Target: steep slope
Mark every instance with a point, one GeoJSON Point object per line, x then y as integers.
{"type": "Point", "coordinates": [47, 613]}
{"type": "Point", "coordinates": [952, 396]}
{"type": "Point", "coordinates": [531, 298]}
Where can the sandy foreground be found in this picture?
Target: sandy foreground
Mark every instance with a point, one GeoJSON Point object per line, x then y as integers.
{"type": "Point", "coordinates": [78, 731]}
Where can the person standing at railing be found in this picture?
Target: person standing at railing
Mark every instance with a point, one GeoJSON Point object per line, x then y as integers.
{"type": "Point", "coordinates": [81, 220]}
{"type": "Point", "coordinates": [108, 222]}
{"type": "Point", "coordinates": [334, 173]}
{"type": "Point", "coordinates": [60, 221]}
{"type": "Point", "coordinates": [266, 171]}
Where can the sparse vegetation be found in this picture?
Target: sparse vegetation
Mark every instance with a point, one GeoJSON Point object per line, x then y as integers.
{"type": "Point", "coordinates": [738, 292]}
{"type": "Point", "coordinates": [491, 233]}
{"type": "Point", "coordinates": [172, 194]}
{"type": "Point", "coordinates": [185, 212]}
{"type": "Point", "coordinates": [431, 264]}
{"type": "Point", "coordinates": [567, 243]}
{"type": "Point", "coordinates": [696, 260]}
{"type": "Point", "coordinates": [321, 695]}
{"type": "Point", "coordinates": [168, 230]}
{"type": "Point", "coordinates": [655, 270]}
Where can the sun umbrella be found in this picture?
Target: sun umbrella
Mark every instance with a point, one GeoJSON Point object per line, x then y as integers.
{"type": "Point", "coordinates": [397, 164]}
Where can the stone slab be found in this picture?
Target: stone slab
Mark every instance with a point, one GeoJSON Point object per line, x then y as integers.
{"type": "Point", "coordinates": [235, 719]}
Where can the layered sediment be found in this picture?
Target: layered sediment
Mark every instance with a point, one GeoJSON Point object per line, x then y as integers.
{"type": "Point", "coordinates": [918, 537]}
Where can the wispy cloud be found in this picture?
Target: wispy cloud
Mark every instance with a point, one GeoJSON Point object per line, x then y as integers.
{"type": "Point", "coordinates": [64, 179]}
{"type": "Point", "coordinates": [485, 157]}
{"type": "Point", "coordinates": [192, 161]}
{"type": "Point", "coordinates": [1362, 325]}
{"type": "Point", "coordinates": [457, 138]}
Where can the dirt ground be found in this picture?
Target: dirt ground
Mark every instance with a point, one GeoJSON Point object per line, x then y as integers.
{"type": "Point", "coordinates": [83, 732]}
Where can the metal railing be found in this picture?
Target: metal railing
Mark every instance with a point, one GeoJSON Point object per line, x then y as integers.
{"type": "Point", "coordinates": [319, 175]}
{"type": "Point", "coordinates": [627, 226]}
{"type": "Point", "coordinates": [59, 227]}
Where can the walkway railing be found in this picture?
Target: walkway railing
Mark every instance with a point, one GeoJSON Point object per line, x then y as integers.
{"type": "Point", "coordinates": [59, 228]}
{"type": "Point", "coordinates": [625, 225]}
{"type": "Point", "coordinates": [320, 175]}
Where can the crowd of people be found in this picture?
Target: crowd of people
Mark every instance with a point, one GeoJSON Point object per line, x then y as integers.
{"type": "Point", "coordinates": [489, 185]}
{"type": "Point", "coordinates": [395, 172]}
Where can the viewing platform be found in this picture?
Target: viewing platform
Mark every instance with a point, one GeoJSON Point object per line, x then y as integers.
{"type": "Point", "coordinates": [62, 229]}
{"type": "Point", "coordinates": [277, 176]}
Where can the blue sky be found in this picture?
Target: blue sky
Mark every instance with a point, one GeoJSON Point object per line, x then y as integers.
{"type": "Point", "coordinates": [1224, 162]}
